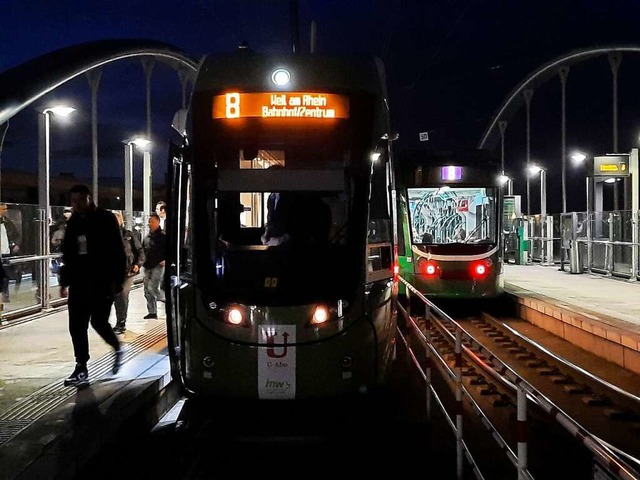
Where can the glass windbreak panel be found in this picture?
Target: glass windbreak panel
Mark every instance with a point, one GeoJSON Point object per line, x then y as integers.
{"type": "Point", "coordinates": [448, 215]}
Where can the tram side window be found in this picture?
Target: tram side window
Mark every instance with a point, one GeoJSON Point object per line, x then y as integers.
{"type": "Point", "coordinates": [186, 227]}
{"type": "Point", "coordinates": [379, 235]}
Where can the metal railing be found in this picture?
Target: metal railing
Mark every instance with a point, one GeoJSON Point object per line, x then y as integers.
{"type": "Point", "coordinates": [603, 243]}
{"type": "Point", "coordinates": [429, 357]}
{"type": "Point", "coordinates": [32, 283]}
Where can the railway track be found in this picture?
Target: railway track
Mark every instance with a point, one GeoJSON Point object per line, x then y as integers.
{"type": "Point", "coordinates": [604, 408]}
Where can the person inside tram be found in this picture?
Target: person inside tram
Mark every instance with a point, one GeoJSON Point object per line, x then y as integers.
{"type": "Point", "coordinates": [229, 224]}
{"type": "Point", "coordinates": [459, 235]}
{"type": "Point", "coordinates": [300, 217]}
{"type": "Point", "coordinates": [280, 219]}
{"type": "Point", "coordinates": [427, 237]}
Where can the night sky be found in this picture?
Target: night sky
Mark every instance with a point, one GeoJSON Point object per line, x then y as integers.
{"type": "Point", "coordinates": [449, 65]}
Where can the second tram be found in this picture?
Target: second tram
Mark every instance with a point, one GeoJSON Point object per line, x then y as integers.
{"type": "Point", "coordinates": [449, 217]}
{"type": "Point", "coordinates": [287, 296]}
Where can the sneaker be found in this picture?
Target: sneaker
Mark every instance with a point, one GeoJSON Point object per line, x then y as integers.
{"type": "Point", "coordinates": [79, 377]}
{"type": "Point", "coordinates": [117, 362]}
{"type": "Point", "coordinates": [150, 315]}
{"type": "Point", "coordinates": [119, 329]}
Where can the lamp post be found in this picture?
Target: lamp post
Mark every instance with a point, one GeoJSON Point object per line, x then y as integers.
{"type": "Point", "coordinates": [504, 179]}
{"type": "Point", "coordinates": [578, 158]}
{"type": "Point", "coordinates": [44, 174]}
{"type": "Point", "coordinates": [139, 142]}
{"type": "Point", "coordinates": [533, 170]}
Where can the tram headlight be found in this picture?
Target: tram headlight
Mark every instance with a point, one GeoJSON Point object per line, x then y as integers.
{"type": "Point", "coordinates": [235, 314]}
{"type": "Point", "coordinates": [320, 315]}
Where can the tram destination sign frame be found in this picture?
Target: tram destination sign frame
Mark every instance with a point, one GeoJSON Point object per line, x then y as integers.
{"type": "Point", "coordinates": [280, 105]}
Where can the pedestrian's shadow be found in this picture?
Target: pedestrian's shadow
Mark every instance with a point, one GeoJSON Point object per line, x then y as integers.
{"type": "Point", "coordinates": [86, 424]}
{"type": "Point", "coordinates": [86, 413]}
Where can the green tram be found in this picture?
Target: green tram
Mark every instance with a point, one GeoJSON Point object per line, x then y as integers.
{"type": "Point", "coordinates": [449, 226]}
{"type": "Point", "coordinates": [301, 314]}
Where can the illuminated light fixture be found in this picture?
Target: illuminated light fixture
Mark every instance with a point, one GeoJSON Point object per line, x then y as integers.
{"type": "Point", "coordinates": [61, 110]}
{"type": "Point", "coordinates": [281, 77]}
{"type": "Point", "coordinates": [375, 156]}
{"type": "Point", "coordinates": [235, 316]}
{"type": "Point", "coordinates": [578, 157]}
{"type": "Point", "coordinates": [451, 173]}
{"type": "Point", "coordinates": [503, 179]}
{"type": "Point", "coordinates": [533, 169]}
{"type": "Point", "coordinates": [480, 270]}
{"type": "Point", "coordinates": [429, 267]}
{"type": "Point", "coordinates": [320, 315]}
{"type": "Point", "coordinates": [141, 142]}
{"type": "Point", "coordinates": [610, 180]}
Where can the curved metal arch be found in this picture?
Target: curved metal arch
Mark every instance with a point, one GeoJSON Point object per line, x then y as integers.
{"type": "Point", "coordinates": [515, 99]}
{"type": "Point", "coordinates": [22, 85]}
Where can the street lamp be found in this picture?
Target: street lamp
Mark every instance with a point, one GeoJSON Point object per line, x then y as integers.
{"type": "Point", "coordinates": [44, 174]}
{"type": "Point", "coordinates": [578, 157]}
{"type": "Point", "coordinates": [534, 170]}
{"type": "Point", "coordinates": [503, 180]}
{"type": "Point", "coordinates": [141, 143]}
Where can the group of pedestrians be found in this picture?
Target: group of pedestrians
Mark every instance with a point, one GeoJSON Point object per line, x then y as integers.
{"type": "Point", "coordinates": [100, 258]}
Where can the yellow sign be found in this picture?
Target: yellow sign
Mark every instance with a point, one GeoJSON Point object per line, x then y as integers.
{"type": "Point", "coordinates": [281, 105]}
{"type": "Point", "coordinates": [611, 165]}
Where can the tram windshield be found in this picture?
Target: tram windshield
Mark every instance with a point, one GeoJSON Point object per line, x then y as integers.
{"type": "Point", "coordinates": [453, 215]}
{"type": "Point", "coordinates": [279, 223]}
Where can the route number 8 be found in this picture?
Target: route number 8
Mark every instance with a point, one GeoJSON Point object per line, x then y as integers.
{"type": "Point", "coordinates": [232, 105]}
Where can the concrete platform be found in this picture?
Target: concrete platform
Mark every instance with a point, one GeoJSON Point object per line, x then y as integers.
{"type": "Point", "coordinates": [48, 430]}
{"type": "Point", "coordinates": [599, 314]}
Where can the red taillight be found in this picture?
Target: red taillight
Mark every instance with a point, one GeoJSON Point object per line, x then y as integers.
{"type": "Point", "coordinates": [428, 267]}
{"type": "Point", "coordinates": [396, 264]}
{"type": "Point", "coordinates": [480, 269]}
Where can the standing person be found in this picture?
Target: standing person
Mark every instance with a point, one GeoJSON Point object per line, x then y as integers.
{"type": "Point", "coordinates": [155, 253]}
{"type": "Point", "coordinates": [135, 258]}
{"type": "Point", "coordinates": [280, 220]}
{"type": "Point", "coordinates": [92, 274]}
{"type": "Point", "coordinates": [161, 210]}
{"type": "Point", "coordinates": [9, 240]}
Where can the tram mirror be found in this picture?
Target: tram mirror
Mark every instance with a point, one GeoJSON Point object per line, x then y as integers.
{"type": "Point", "coordinates": [179, 122]}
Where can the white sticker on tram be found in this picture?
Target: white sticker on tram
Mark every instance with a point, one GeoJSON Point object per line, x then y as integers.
{"type": "Point", "coordinates": [277, 362]}
{"type": "Point", "coordinates": [453, 258]}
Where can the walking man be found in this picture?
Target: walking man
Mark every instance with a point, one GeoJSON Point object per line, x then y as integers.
{"type": "Point", "coordinates": [92, 274]}
{"type": "Point", "coordinates": [135, 258]}
{"type": "Point", "coordinates": [154, 246]}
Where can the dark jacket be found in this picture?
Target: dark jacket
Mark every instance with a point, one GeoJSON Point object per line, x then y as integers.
{"type": "Point", "coordinates": [12, 233]}
{"type": "Point", "coordinates": [133, 250]}
{"type": "Point", "coordinates": [155, 246]}
{"type": "Point", "coordinates": [93, 252]}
